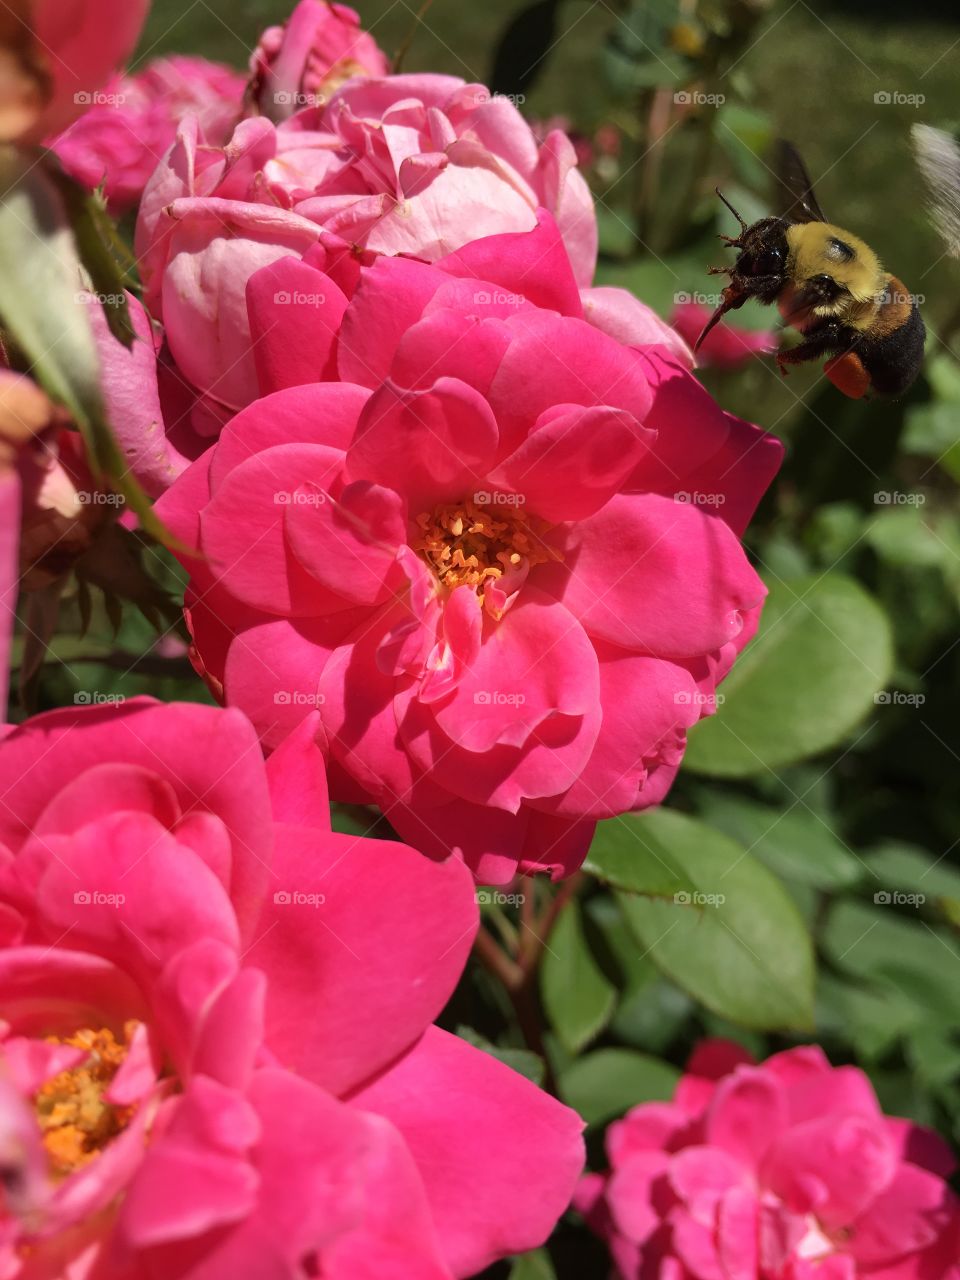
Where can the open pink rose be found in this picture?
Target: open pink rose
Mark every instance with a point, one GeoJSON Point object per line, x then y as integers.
{"type": "Point", "coordinates": [414, 165]}
{"type": "Point", "coordinates": [133, 121]}
{"type": "Point", "coordinates": [501, 553]}
{"type": "Point", "coordinates": [786, 1170]}
{"type": "Point", "coordinates": [300, 64]}
{"type": "Point", "coordinates": [71, 49]}
{"type": "Point", "coordinates": [726, 346]}
{"type": "Point", "coordinates": [217, 1014]}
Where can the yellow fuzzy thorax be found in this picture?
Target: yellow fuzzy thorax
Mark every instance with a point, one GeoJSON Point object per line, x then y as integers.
{"type": "Point", "coordinates": [820, 248]}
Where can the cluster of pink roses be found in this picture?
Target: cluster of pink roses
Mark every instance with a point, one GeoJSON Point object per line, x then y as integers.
{"type": "Point", "coordinates": [463, 535]}
{"type": "Point", "coordinates": [474, 509]}
{"type": "Point", "coordinates": [786, 1170]}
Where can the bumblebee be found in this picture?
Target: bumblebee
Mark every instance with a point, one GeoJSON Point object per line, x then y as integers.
{"type": "Point", "coordinates": [828, 284]}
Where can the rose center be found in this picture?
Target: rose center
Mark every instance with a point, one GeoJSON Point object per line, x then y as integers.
{"type": "Point", "coordinates": [75, 1119]}
{"type": "Point", "coordinates": [476, 544]}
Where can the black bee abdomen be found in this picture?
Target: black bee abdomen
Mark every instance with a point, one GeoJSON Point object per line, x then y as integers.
{"type": "Point", "coordinates": [894, 359]}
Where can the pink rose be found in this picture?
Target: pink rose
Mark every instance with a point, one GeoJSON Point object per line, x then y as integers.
{"type": "Point", "coordinates": [133, 122]}
{"type": "Point", "coordinates": [727, 346]}
{"type": "Point", "coordinates": [786, 1170]}
{"type": "Point", "coordinates": [72, 48]}
{"type": "Point", "coordinates": [217, 1013]}
{"type": "Point", "coordinates": [300, 64]}
{"type": "Point", "coordinates": [414, 165]}
{"type": "Point", "coordinates": [502, 550]}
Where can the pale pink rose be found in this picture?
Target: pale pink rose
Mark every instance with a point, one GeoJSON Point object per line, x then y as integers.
{"type": "Point", "coordinates": [300, 64]}
{"type": "Point", "coordinates": [500, 546]}
{"type": "Point", "coordinates": [726, 346]}
{"type": "Point", "coordinates": [218, 1014]}
{"type": "Point", "coordinates": [786, 1170]}
{"type": "Point", "coordinates": [74, 47]}
{"type": "Point", "coordinates": [133, 121]}
{"type": "Point", "coordinates": [414, 165]}
{"type": "Point", "coordinates": [147, 406]}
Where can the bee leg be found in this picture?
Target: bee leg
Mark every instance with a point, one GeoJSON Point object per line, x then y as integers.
{"type": "Point", "coordinates": [825, 341]}
{"type": "Point", "coordinates": [734, 241]}
{"type": "Point", "coordinates": [719, 271]}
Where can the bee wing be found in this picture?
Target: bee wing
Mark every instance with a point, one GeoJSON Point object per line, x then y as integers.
{"type": "Point", "coordinates": [938, 159]}
{"type": "Point", "coordinates": [796, 198]}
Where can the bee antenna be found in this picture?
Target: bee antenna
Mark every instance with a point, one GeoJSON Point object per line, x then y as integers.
{"type": "Point", "coordinates": [743, 225]}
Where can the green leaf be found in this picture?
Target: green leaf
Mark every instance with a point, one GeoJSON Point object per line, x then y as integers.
{"type": "Point", "coordinates": [523, 1061]}
{"type": "Point", "coordinates": [873, 1021]}
{"type": "Point", "coordinates": [533, 1266]}
{"type": "Point", "coordinates": [356, 820]}
{"type": "Point", "coordinates": [651, 1017]}
{"type": "Point", "coordinates": [609, 1082]}
{"type": "Point", "coordinates": [98, 246]}
{"type": "Point", "coordinates": [42, 309]}
{"type": "Point", "coordinates": [873, 941]}
{"type": "Point", "coordinates": [932, 430]}
{"type": "Point", "coordinates": [628, 854]}
{"type": "Point", "coordinates": [801, 686]}
{"type": "Point", "coordinates": [793, 843]}
{"type": "Point", "coordinates": [912, 870]}
{"type": "Point", "coordinates": [905, 536]}
{"type": "Point", "coordinates": [737, 943]}
{"type": "Point", "coordinates": [578, 999]}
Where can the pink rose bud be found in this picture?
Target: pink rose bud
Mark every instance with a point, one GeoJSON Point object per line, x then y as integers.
{"type": "Point", "coordinates": [133, 121]}
{"type": "Point", "coordinates": [301, 63]}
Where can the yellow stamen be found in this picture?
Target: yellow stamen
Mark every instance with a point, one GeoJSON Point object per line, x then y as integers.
{"type": "Point", "coordinates": [470, 543]}
{"type": "Point", "coordinates": [74, 1119]}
